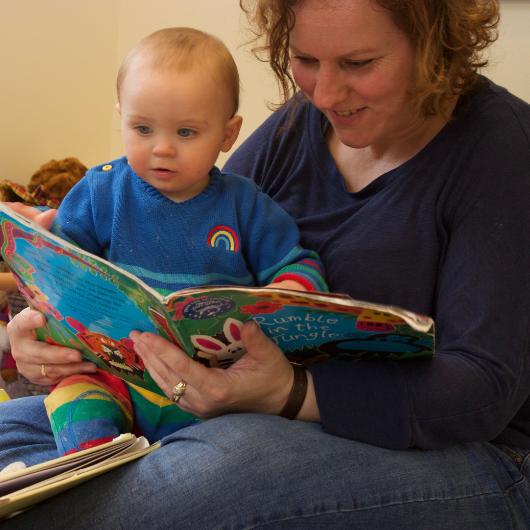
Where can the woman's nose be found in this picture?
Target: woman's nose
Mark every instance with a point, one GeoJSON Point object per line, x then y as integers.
{"type": "Point", "coordinates": [329, 90]}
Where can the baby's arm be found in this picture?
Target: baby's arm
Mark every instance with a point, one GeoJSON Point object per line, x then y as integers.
{"type": "Point", "coordinates": [274, 251]}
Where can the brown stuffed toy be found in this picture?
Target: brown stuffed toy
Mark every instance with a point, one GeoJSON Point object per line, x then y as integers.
{"type": "Point", "coordinates": [47, 186]}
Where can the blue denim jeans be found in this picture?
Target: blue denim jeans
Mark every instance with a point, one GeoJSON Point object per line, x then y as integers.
{"type": "Point", "coordinates": [256, 471]}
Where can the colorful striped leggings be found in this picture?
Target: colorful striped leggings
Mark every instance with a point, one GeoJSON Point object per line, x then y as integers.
{"type": "Point", "coordinates": [88, 410]}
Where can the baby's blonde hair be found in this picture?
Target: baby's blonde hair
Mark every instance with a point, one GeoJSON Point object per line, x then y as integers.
{"type": "Point", "coordinates": [182, 49]}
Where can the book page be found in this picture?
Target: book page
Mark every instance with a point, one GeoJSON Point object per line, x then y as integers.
{"type": "Point", "coordinates": [308, 327]}
{"type": "Point", "coordinates": [92, 305]}
{"type": "Point", "coordinates": [122, 450]}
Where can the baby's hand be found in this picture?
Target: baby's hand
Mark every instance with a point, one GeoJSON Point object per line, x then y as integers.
{"type": "Point", "coordinates": [287, 284]}
{"type": "Point", "coordinates": [42, 218]}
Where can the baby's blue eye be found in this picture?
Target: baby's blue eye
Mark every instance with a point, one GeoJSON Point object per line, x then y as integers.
{"type": "Point", "coordinates": [143, 129]}
{"type": "Point", "coordinates": [185, 132]}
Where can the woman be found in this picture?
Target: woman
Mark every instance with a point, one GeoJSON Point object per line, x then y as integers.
{"type": "Point", "coordinates": [409, 174]}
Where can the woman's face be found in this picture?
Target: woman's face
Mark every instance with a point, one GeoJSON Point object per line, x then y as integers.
{"type": "Point", "coordinates": [357, 67]}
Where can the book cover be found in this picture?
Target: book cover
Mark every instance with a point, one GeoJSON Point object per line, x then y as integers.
{"type": "Point", "coordinates": [92, 305]}
{"type": "Point", "coordinates": [23, 488]}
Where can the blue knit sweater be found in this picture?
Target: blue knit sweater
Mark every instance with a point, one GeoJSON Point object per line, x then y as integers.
{"type": "Point", "coordinates": [230, 234]}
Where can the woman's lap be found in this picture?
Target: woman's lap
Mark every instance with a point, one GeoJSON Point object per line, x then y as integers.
{"type": "Point", "coordinates": [257, 471]}
{"type": "Point", "coordinates": [25, 432]}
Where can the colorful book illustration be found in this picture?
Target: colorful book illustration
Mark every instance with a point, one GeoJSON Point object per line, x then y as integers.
{"type": "Point", "coordinates": [23, 488]}
{"type": "Point", "coordinates": [92, 305]}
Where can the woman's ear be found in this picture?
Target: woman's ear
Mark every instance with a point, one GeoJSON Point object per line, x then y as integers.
{"type": "Point", "coordinates": [118, 107]}
{"type": "Point", "coordinates": [232, 128]}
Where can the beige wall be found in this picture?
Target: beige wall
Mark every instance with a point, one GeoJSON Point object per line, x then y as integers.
{"type": "Point", "coordinates": [56, 70]}
{"type": "Point", "coordinates": [510, 55]}
{"type": "Point", "coordinates": [58, 60]}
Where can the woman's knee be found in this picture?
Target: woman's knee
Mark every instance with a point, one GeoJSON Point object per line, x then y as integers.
{"type": "Point", "coordinates": [23, 411]}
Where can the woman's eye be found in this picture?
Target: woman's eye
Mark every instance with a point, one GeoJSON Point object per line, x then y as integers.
{"type": "Point", "coordinates": [305, 60]}
{"type": "Point", "coordinates": [357, 64]}
{"type": "Point", "coordinates": [185, 133]}
{"type": "Point", "coordinates": [142, 129]}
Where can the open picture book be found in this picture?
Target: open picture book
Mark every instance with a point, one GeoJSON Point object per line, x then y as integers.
{"type": "Point", "coordinates": [92, 305]}
{"type": "Point", "coordinates": [23, 488]}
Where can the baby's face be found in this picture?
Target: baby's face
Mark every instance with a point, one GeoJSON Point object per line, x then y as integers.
{"type": "Point", "coordinates": [174, 124]}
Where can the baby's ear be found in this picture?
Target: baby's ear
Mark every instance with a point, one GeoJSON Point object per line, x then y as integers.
{"type": "Point", "coordinates": [232, 128]}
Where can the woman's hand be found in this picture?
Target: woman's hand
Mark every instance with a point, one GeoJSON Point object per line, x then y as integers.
{"type": "Point", "coordinates": [258, 382]}
{"type": "Point", "coordinates": [41, 363]}
{"type": "Point", "coordinates": [44, 219]}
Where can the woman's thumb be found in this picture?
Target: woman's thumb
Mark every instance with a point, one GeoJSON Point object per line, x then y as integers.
{"type": "Point", "coordinates": [256, 342]}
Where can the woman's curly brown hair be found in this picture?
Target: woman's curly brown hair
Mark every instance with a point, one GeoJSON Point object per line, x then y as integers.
{"type": "Point", "coordinates": [449, 37]}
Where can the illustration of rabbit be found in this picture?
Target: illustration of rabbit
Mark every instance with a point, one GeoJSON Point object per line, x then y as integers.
{"type": "Point", "coordinates": [216, 353]}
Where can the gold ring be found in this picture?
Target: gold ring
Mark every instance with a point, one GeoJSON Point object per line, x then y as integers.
{"type": "Point", "coordinates": [178, 390]}
{"type": "Point", "coordinates": [43, 370]}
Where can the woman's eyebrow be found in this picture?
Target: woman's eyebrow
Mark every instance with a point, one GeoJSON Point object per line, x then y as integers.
{"type": "Point", "coordinates": [347, 55]}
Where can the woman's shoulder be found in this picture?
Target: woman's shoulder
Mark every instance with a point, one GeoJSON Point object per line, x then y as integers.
{"type": "Point", "coordinates": [493, 109]}
{"type": "Point", "coordinates": [285, 117]}
{"type": "Point", "coordinates": [239, 188]}
{"type": "Point", "coordinates": [489, 132]}
{"type": "Point", "coordinates": [484, 152]}
{"type": "Point", "coordinates": [285, 134]}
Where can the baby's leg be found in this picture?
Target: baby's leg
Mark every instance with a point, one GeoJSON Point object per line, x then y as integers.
{"type": "Point", "coordinates": [88, 410]}
{"type": "Point", "coordinates": [156, 416]}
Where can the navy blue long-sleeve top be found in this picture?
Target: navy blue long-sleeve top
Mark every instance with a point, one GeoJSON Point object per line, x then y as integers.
{"type": "Point", "coordinates": [445, 234]}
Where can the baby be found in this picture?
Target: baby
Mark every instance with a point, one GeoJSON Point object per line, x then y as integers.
{"type": "Point", "coordinates": [156, 213]}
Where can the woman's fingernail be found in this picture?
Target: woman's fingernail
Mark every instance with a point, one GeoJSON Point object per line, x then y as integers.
{"type": "Point", "coordinates": [251, 324]}
{"type": "Point", "coordinates": [36, 318]}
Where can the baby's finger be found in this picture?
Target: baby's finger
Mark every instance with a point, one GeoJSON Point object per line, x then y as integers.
{"type": "Point", "coordinates": [44, 219]}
